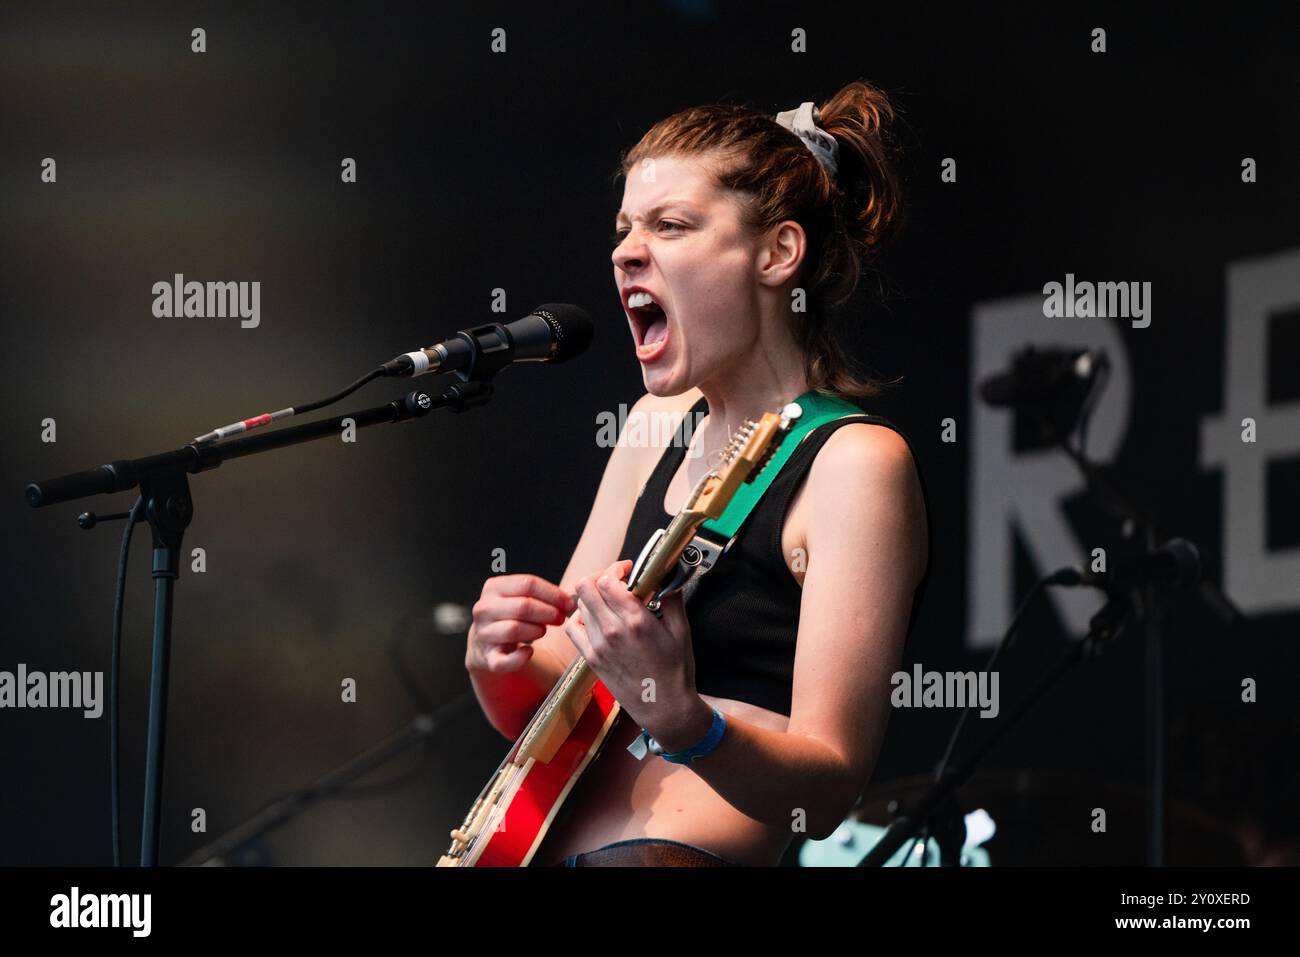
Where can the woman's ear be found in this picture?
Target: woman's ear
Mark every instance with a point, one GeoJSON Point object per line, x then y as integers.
{"type": "Point", "coordinates": [782, 253]}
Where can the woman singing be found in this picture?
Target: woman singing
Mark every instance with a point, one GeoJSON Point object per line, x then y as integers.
{"type": "Point", "coordinates": [771, 685]}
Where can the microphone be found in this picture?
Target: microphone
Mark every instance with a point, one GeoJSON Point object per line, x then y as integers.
{"type": "Point", "coordinates": [555, 332]}
{"type": "Point", "coordinates": [1176, 563]}
{"type": "Point", "coordinates": [1043, 375]}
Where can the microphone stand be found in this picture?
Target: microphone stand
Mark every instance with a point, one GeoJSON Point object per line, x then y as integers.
{"type": "Point", "coordinates": [938, 812]}
{"type": "Point", "coordinates": [1150, 611]}
{"type": "Point", "coordinates": [1141, 602]}
{"type": "Point", "coordinates": [1136, 527]}
{"type": "Point", "coordinates": [169, 509]}
{"type": "Point", "coordinates": [286, 808]}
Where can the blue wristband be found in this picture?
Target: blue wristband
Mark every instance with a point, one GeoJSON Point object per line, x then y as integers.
{"type": "Point", "coordinates": [704, 746]}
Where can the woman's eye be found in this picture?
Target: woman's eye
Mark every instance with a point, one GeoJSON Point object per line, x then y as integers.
{"type": "Point", "coordinates": [621, 234]}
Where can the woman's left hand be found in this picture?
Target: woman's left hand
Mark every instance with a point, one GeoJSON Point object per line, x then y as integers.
{"type": "Point", "coordinates": [645, 662]}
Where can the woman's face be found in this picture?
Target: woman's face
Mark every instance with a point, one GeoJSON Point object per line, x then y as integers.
{"type": "Point", "coordinates": [680, 239]}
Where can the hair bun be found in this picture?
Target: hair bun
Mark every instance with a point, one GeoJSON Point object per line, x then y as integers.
{"type": "Point", "coordinates": [862, 120]}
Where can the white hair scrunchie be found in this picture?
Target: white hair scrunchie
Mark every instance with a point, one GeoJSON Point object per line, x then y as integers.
{"type": "Point", "coordinates": [803, 122]}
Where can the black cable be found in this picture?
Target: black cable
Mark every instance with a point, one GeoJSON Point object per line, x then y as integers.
{"type": "Point", "coordinates": [114, 752]}
{"type": "Point", "coordinates": [1005, 643]}
{"type": "Point", "coordinates": [426, 705]}
{"type": "Point", "coordinates": [1058, 577]}
{"type": "Point", "coordinates": [235, 428]}
{"type": "Point", "coordinates": [1061, 576]}
{"type": "Point", "coordinates": [1090, 404]}
{"type": "Point", "coordinates": [423, 701]}
{"type": "Point", "coordinates": [313, 406]}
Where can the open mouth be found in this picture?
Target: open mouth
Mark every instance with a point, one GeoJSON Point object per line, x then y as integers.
{"type": "Point", "coordinates": [651, 325]}
{"type": "Point", "coordinates": [649, 321]}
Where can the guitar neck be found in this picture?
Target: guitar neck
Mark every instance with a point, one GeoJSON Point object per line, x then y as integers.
{"type": "Point", "coordinates": [562, 708]}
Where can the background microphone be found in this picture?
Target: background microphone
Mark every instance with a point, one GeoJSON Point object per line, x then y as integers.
{"type": "Point", "coordinates": [1044, 375]}
{"type": "Point", "coordinates": [555, 332]}
{"type": "Point", "coordinates": [1176, 563]}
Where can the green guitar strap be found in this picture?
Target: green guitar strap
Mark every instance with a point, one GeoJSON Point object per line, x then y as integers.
{"type": "Point", "coordinates": [715, 536]}
{"type": "Point", "coordinates": [818, 409]}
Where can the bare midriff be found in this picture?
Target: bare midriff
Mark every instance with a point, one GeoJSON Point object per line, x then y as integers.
{"type": "Point", "coordinates": [619, 798]}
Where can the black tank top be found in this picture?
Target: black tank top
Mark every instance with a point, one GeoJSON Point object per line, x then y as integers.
{"type": "Point", "coordinates": [744, 614]}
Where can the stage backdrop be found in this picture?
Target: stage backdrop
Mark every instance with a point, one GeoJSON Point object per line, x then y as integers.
{"type": "Point", "coordinates": [379, 179]}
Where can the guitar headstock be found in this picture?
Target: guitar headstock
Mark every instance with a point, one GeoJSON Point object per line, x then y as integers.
{"type": "Point", "coordinates": [750, 449]}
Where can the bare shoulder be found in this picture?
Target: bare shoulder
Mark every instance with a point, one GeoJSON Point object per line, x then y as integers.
{"type": "Point", "coordinates": [867, 472]}
{"type": "Point", "coordinates": [864, 447]}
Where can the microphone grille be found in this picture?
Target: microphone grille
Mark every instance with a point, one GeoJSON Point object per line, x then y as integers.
{"type": "Point", "coordinates": [571, 329]}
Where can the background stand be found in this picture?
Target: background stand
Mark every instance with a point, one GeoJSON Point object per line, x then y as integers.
{"type": "Point", "coordinates": [169, 509]}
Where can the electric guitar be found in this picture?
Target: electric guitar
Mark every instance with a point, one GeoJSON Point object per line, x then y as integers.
{"type": "Point", "coordinates": [512, 814]}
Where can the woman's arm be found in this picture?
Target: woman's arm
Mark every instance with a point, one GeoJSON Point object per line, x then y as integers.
{"type": "Point", "coordinates": [866, 552]}
{"type": "Point", "coordinates": [510, 699]}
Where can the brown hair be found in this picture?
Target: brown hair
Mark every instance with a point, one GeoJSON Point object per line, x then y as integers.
{"type": "Point", "coordinates": [848, 220]}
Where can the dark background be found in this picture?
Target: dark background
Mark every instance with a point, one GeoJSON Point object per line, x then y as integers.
{"type": "Point", "coordinates": [477, 171]}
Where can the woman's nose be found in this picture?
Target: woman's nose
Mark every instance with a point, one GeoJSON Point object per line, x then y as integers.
{"type": "Point", "coordinates": [630, 253]}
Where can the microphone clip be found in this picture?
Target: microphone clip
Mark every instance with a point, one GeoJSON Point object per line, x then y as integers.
{"type": "Point", "coordinates": [466, 395]}
{"type": "Point", "coordinates": [489, 349]}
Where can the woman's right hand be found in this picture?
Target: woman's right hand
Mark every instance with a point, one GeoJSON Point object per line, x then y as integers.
{"type": "Point", "coordinates": [512, 612]}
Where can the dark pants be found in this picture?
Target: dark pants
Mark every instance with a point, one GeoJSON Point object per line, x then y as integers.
{"type": "Point", "coordinates": [648, 852]}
